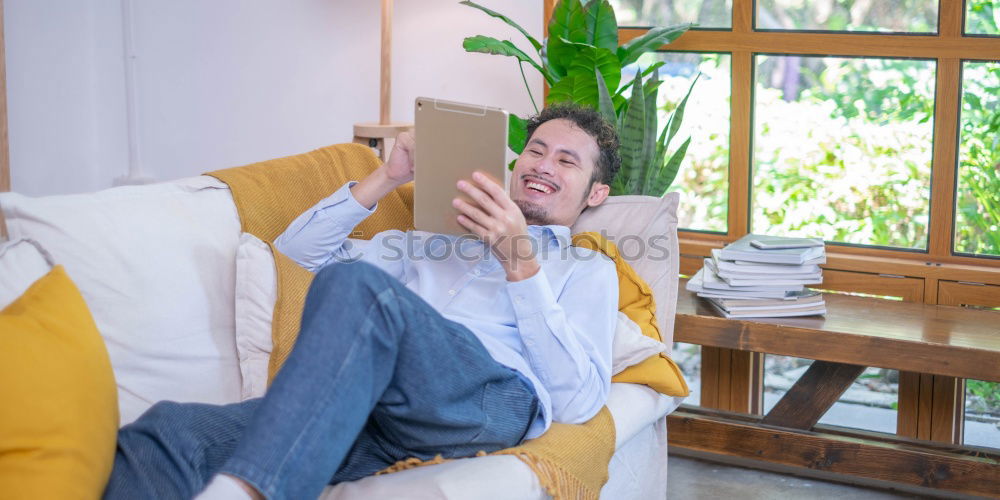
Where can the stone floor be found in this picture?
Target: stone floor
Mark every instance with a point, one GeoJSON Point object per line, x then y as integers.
{"type": "Point", "coordinates": [692, 479]}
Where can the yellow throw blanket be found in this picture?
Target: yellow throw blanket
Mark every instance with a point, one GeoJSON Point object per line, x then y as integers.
{"type": "Point", "coordinates": [571, 461]}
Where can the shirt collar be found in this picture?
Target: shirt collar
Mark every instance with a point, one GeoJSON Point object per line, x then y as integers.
{"type": "Point", "coordinates": [551, 231]}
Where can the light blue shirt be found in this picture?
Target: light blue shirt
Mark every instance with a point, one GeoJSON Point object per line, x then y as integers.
{"type": "Point", "coordinates": [555, 328]}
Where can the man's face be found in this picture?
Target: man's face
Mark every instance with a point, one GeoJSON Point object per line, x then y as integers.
{"type": "Point", "coordinates": [551, 179]}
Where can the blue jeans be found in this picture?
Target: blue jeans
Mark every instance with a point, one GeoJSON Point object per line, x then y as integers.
{"type": "Point", "coordinates": [376, 376]}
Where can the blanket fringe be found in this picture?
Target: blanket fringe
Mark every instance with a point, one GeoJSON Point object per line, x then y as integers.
{"type": "Point", "coordinates": [413, 463]}
{"type": "Point", "coordinates": [557, 483]}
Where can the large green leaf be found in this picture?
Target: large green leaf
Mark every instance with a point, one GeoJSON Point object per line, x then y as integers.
{"type": "Point", "coordinates": [649, 140]}
{"type": "Point", "coordinates": [517, 133]}
{"type": "Point", "coordinates": [534, 43]}
{"type": "Point", "coordinates": [490, 45]}
{"type": "Point", "coordinates": [600, 28]}
{"type": "Point", "coordinates": [674, 124]}
{"type": "Point", "coordinates": [653, 67]}
{"type": "Point", "coordinates": [669, 172]}
{"type": "Point", "coordinates": [580, 83]}
{"type": "Point", "coordinates": [632, 136]}
{"type": "Point", "coordinates": [651, 40]}
{"type": "Point", "coordinates": [604, 103]}
{"type": "Point", "coordinates": [567, 18]}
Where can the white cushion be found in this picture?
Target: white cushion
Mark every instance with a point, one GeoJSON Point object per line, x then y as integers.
{"type": "Point", "coordinates": [256, 294]}
{"type": "Point", "coordinates": [630, 346]}
{"type": "Point", "coordinates": [645, 230]}
{"type": "Point", "coordinates": [156, 266]}
{"type": "Point", "coordinates": [22, 262]}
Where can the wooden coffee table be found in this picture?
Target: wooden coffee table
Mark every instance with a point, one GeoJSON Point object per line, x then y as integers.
{"type": "Point", "coordinates": [856, 332]}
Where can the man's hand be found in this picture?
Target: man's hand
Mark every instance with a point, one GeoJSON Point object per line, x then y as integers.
{"type": "Point", "coordinates": [390, 175]}
{"type": "Point", "coordinates": [399, 168]}
{"type": "Point", "coordinates": [499, 223]}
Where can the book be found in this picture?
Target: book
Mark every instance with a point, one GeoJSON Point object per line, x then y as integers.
{"type": "Point", "coordinates": [723, 294]}
{"type": "Point", "coordinates": [818, 260]}
{"type": "Point", "coordinates": [804, 297]}
{"type": "Point", "coordinates": [778, 242]}
{"type": "Point", "coordinates": [790, 305]}
{"type": "Point", "coordinates": [696, 284]}
{"type": "Point", "coordinates": [772, 313]}
{"type": "Point", "coordinates": [711, 280]}
{"type": "Point", "coordinates": [741, 249]}
{"type": "Point", "coordinates": [765, 280]}
{"type": "Point", "coordinates": [728, 266]}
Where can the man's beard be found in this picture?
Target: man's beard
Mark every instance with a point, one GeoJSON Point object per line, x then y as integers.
{"type": "Point", "coordinates": [534, 214]}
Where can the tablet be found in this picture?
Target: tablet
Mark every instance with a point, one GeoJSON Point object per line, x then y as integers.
{"type": "Point", "coordinates": [452, 141]}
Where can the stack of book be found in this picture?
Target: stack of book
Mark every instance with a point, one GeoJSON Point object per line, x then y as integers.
{"type": "Point", "coordinates": [760, 276]}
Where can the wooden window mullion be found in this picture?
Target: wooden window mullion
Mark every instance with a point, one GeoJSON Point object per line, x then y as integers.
{"type": "Point", "coordinates": [740, 132]}
{"type": "Point", "coordinates": [944, 162]}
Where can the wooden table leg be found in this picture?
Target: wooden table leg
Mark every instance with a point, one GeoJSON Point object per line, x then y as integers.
{"type": "Point", "coordinates": [813, 394]}
{"type": "Point", "coordinates": [732, 380]}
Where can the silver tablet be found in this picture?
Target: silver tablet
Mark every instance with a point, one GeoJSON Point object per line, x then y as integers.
{"type": "Point", "coordinates": [452, 141]}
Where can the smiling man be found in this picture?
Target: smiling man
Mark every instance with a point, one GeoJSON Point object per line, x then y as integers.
{"type": "Point", "coordinates": [414, 353]}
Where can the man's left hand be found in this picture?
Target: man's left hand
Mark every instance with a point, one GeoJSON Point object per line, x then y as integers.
{"type": "Point", "coordinates": [498, 221]}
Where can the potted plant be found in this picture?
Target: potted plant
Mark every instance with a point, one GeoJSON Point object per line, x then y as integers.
{"type": "Point", "coordinates": [582, 62]}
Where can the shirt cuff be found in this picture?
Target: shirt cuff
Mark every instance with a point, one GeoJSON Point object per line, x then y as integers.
{"type": "Point", "coordinates": [353, 209]}
{"type": "Point", "coordinates": [531, 295]}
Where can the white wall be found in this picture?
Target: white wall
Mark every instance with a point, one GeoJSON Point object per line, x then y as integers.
{"type": "Point", "coordinates": [227, 82]}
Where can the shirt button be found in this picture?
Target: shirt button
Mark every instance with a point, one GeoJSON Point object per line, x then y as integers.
{"type": "Point", "coordinates": [452, 292]}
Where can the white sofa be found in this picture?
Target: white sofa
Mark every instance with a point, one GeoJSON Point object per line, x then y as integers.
{"type": "Point", "coordinates": [156, 265]}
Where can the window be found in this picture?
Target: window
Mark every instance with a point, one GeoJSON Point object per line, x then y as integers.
{"type": "Point", "coordinates": [842, 149]}
{"type": "Point", "coordinates": [982, 413]}
{"type": "Point", "coordinates": [977, 221]}
{"type": "Point", "coordinates": [688, 358]}
{"type": "Point", "coordinates": [707, 13]}
{"type": "Point", "coordinates": [982, 17]}
{"type": "Point", "coordinates": [870, 124]}
{"type": "Point", "coordinates": [703, 178]}
{"type": "Point", "coordinates": [897, 16]}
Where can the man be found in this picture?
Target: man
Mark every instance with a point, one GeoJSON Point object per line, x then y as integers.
{"type": "Point", "coordinates": [444, 347]}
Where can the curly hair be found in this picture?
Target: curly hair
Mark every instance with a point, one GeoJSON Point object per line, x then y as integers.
{"type": "Point", "coordinates": [591, 122]}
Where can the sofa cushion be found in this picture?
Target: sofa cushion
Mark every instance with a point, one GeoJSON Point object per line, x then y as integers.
{"type": "Point", "coordinates": [22, 262]}
{"type": "Point", "coordinates": [635, 300]}
{"type": "Point", "coordinates": [256, 294]}
{"type": "Point", "coordinates": [156, 266]}
{"type": "Point", "coordinates": [59, 417]}
{"type": "Point", "coordinates": [644, 228]}
{"type": "Point", "coordinates": [630, 346]}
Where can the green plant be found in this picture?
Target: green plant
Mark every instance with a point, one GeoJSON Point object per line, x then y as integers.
{"type": "Point", "coordinates": [582, 62]}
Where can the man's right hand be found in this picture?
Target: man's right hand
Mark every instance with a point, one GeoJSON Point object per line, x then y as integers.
{"type": "Point", "coordinates": [390, 175]}
{"type": "Point", "coordinates": [399, 168]}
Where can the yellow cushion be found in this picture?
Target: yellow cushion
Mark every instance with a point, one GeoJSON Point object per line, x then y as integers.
{"type": "Point", "coordinates": [59, 410]}
{"type": "Point", "coordinates": [635, 300]}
